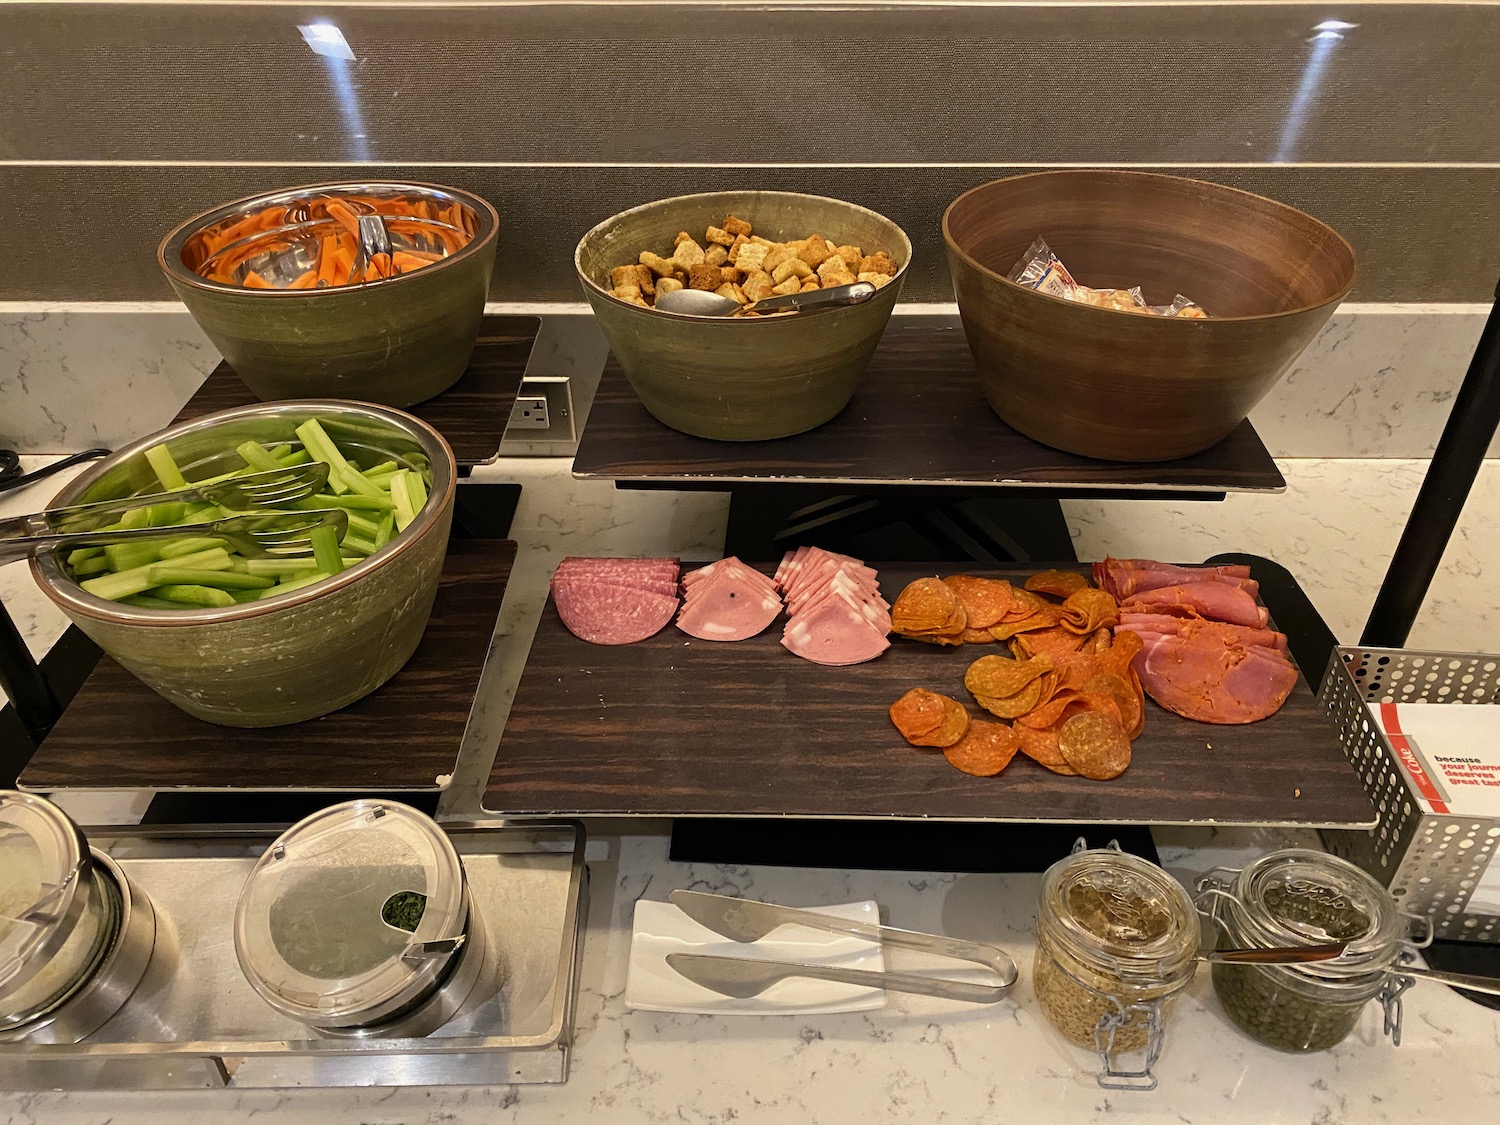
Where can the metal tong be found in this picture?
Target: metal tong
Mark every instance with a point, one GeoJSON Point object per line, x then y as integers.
{"type": "Point", "coordinates": [747, 921]}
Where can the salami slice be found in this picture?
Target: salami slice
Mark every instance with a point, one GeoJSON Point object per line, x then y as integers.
{"type": "Point", "coordinates": [605, 613]}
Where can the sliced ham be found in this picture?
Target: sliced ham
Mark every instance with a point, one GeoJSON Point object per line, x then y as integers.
{"type": "Point", "coordinates": [1149, 624]}
{"type": "Point", "coordinates": [728, 601]}
{"type": "Point", "coordinates": [1124, 578]}
{"type": "Point", "coordinates": [1215, 683]}
{"type": "Point", "coordinates": [834, 633]}
{"type": "Point", "coordinates": [1208, 599]}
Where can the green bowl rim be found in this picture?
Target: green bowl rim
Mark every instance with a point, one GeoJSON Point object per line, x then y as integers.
{"type": "Point", "coordinates": [68, 595]}
{"type": "Point", "coordinates": [955, 249]}
{"type": "Point", "coordinates": [592, 287]}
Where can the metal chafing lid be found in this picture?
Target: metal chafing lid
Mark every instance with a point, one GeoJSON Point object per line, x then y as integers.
{"type": "Point", "coordinates": [315, 928]}
{"type": "Point", "coordinates": [43, 860]}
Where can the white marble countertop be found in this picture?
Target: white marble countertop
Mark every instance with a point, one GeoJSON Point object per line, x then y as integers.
{"type": "Point", "coordinates": [917, 1059]}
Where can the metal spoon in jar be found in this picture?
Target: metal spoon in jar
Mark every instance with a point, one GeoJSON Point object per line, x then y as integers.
{"type": "Point", "coordinates": [700, 302]}
{"type": "Point", "coordinates": [1279, 955]}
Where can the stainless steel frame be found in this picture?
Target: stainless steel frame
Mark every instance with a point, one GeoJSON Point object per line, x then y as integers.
{"type": "Point", "coordinates": [195, 1022]}
{"type": "Point", "coordinates": [1431, 862]}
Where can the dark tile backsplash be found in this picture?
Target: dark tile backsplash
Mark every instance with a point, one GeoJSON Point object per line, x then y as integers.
{"type": "Point", "coordinates": [121, 119]}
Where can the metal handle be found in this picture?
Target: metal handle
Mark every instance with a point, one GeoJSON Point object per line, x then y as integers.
{"type": "Point", "coordinates": [1490, 986]}
{"type": "Point", "coordinates": [768, 972]}
{"type": "Point", "coordinates": [834, 297]}
{"type": "Point", "coordinates": [13, 550]}
{"type": "Point", "coordinates": [990, 956]}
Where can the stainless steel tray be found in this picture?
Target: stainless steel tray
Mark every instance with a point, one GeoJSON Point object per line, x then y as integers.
{"type": "Point", "coordinates": [195, 1022]}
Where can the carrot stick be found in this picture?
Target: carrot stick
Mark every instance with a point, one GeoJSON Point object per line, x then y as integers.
{"type": "Point", "coordinates": [248, 225]}
{"type": "Point", "coordinates": [305, 280]}
{"type": "Point", "coordinates": [344, 216]}
{"type": "Point", "coordinates": [253, 280]}
{"type": "Point", "coordinates": [344, 265]}
{"type": "Point", "coordinates": [406, 262]}
{"type": "Point", "coordinates": [327, 261]}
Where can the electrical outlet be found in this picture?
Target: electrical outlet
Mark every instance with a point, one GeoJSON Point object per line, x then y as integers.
{"type": "Point", "coordinates": [529, 413]}
{"type": "Point", "coordinates": [542, 417]}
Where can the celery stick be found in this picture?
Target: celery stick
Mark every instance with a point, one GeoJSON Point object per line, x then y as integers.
{"type": "Point", "coordinates": [386, 529]}
{"type": "Point", "coordinates": [89, 566]}
{"type": "Point", "coordinates": [295, 457]}
{"type": "Point", "coordinates": [383, 467]}
{"type": "Point", "coordinates": [128, 556]}
{"type": "Point", "coordinates": [363, 526]}
{"type": "Point", "coordinates": [359, 545]}
{"type": "Point", "coordinates": [242, 596]}
{"type": "Point", "coordinates": [280, 451]}
{"type": "Point", "coordinates": [189, 545]}
{"type": "Point", "coordinates": [164, 575]}
{"type": "Point", "coordinates": [194, 595]}
{"type": "Point", "coordinates": [160, 460]}
{"type": "Point", "coordinates": [239, 564]}
{"type": "Point", "coordinates": [133, 519]}
{"type": "Point", "coordinates": [401, 496]}
{"type": "Point", "coordinates": [382, 479]}
{"type": "Point", "coordinates": [256, 456]}
{"type": "Point", "coordinates": [165, 515]}
{"type": "Point", "coordinates": [416, 488]}
{"type": "Point", "coordinates": [353, 501]}
{"type": "Point", "coordinates": [137, 581]}
{"type": "Point", "coordinates": [203, 513]}
{"type": "Point", "coordinates": [273, 568]}
{"type": "Point", "coordinates": [84, 554]}
{"type": "Point", "coordinates": [294, 584]}
{"type": "Point", "coordinates": [325, 545]}
{"type": "Point", "coordinates": [342, 475]}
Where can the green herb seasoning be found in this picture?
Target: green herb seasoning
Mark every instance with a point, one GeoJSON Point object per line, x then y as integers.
{"type": "Point", "coordinates": [404, 910]}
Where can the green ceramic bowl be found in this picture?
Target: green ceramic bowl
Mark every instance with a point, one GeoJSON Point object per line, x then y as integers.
{"type": "Point", "coordinates": [740, 379]}
{"type": "Point", "coordinates": [395, 341]}
{"type": "Point", "coordinates": [305, 653]}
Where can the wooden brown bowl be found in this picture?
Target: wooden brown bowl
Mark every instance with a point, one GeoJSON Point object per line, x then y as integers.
{"type": "Point", "coordinates": [1125, 386]}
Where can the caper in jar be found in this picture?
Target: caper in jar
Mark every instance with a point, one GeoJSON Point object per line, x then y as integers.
{"type": "Point", "coordinates": [1264, 1003]}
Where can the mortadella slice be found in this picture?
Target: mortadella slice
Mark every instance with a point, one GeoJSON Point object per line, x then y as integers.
{"type": "Point", "coordinates": [835, 633]}
{"type": "Point", "coordinates": [727, 607]}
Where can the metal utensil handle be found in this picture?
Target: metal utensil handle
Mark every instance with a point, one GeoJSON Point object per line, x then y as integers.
{"type": "Point", "coordinates": [890, 981]}
{"type": "Point", "coordinates": [1490, 986]}
{"type": "Point", "coordinates": [991, 956]}
{"type": "Point", "coordinates": [68, 516]}
{"type": "Point", "coordinates": [833, 297]}
{"type": "Point", "coordinates": [13, 550]}
{"type": "Point", "coordinates": [1282, 955]}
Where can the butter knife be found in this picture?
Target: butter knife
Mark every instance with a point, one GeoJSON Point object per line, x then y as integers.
{"type": "Point", "coordinates": [746, 920]}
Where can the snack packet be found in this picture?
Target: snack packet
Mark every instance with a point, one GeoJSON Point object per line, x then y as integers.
{"type": "Point", "coordinates": [1039, 268]}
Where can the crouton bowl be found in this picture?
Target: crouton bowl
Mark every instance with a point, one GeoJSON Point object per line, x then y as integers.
{"type": "Point", "coordinates": [743, 378]}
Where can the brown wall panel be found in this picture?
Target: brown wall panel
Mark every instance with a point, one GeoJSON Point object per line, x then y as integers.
{"type": "Point", "coordinates": [1423, 234]}
{"type": "Point", "coordinates": [768, 84]}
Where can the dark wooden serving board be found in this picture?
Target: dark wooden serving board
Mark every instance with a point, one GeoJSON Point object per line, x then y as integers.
{"type": "Point", "coordinates": [675, 726]}
{"type": "Point", "coordinates": [918, 418]}
{"type": "Point", "coordinates": [118, 734]}
{"type": "Point", "coordinates": [472, 414]}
